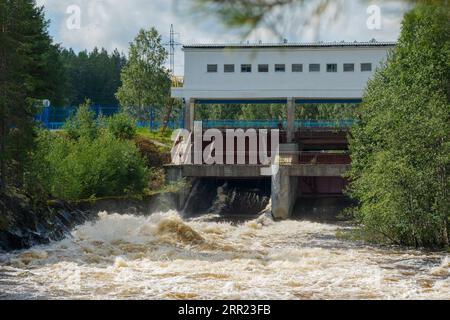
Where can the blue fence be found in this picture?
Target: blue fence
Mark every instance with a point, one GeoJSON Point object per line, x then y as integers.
{"type": "Point", "coordinates": [53, 118]}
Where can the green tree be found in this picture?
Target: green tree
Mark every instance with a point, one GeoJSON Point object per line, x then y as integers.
{"type": "Point", "coordinates": [83, 124]}
{"type": "Point", "coordinates": [327, 112]}
{"type": "Point", "coordinates": [401, 147]}
{"type": "Point", "coordinates": [122, 126]}
{"type": "Point", "coordinates": [145, 80]}
{"type": "Point", "coordinates": [92, 75]}
{"type": "Point", "coordinates": [30, 71]}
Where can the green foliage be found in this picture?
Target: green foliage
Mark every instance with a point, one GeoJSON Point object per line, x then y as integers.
{"type": "Point", "coordinates": [327, 112]}
{"type": "Point", "coordinates": [275, 112]}
{"type": "Point", "coordinates": [156, 136]}
{"type": "Point", "coordinates": [122, 126]}
{"type": "Point", "coordinates": [263, 112]}
{"type": "Point", "coordinates": [91, 75]}
{"type": "Point", "coordinates": [90, 159]}
{"type": "Point", "coordinates": [86, 168]}
{"type": "Point", "coordinates": [218, 112]}
{"type": "Point", "coordinates": [29, 72]}
{"type": "Point", "coordinates": [145, 80]}
{"type": "Point", "coordinates": [401, 147]}
{"type": "Point", "coordinates": [83, 123]}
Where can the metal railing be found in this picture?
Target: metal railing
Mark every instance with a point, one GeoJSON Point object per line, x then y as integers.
{"type": "Point", "coordinates": [276, 124]}
{"type": "Point", "coordinates": [54, 118]}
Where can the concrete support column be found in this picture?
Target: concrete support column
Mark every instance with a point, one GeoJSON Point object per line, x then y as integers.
{"type": "Point", "coordinates": [290, 128]}
{"type": "Point", "coordinates": [175, 174]}
{"type": "Point", "coordinates": [284, 187]}
{"type": "Point", "coordinates": [189, 114]}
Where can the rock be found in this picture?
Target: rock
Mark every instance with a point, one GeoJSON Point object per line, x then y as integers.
{"type": "Point", "coordinates": [23, 226]}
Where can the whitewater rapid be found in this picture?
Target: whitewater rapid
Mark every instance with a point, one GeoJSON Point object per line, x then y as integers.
{"type": "Point", "coordinates": [164, 256]}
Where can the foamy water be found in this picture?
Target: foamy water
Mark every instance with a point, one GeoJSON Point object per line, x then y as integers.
{"type": "Point", "coordinates": [164, 257]}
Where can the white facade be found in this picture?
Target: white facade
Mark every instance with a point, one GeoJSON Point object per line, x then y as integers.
{"type": "Point", "coordinates": [331, 82]}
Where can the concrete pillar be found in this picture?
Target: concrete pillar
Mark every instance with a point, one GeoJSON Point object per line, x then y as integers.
{"type": "Point", "coordinates": [174, 174]}
{"type": "Point", "coordinates": [284, 187]}
{"type": "Point", "coordinates": [189, 114]}
{"type": "Point", "coordinates": [290, 128]}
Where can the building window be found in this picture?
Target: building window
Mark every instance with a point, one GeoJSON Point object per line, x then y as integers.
{"type": "Point", "coordinates": [211, 68]}
{"type": "Point", "coordinates": [349, 67]}
{"type": "Point", "coordinates": [280, 68]}
{"type": "Point", "coordinates": [246, 68]}
{"type": "Point", "coordinates": [297, 68]}
{"type": "Point", "coordinates": [314, 67]}
{"type": "Point", "coordinates": [228, 68]}
{"type": "Point", "coordinates": [366, 67]}
{"type": "Point", "coordinates": [332, 67]}
{"type": "Point", "coordinates": [263, 68]}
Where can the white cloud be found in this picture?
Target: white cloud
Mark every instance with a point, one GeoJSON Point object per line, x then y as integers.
{"type": "Point", "coordinates": [114, 23]}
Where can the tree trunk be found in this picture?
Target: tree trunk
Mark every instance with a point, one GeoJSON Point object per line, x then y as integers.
{"type": "Point", "coordinates": [2, 153]}
{"type": "Point", "coordinates": [169, 110]}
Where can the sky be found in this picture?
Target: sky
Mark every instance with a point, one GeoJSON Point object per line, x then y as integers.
{"type": "Point", "coordinates": [85, 24]}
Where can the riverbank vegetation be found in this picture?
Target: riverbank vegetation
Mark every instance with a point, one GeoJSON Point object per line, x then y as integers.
{"type": "Point", "coordinates": [401, 146]}
{"type": "Point", "coordinates": [90, 159]}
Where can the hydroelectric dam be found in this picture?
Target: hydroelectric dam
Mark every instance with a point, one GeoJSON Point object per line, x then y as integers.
{"type": "Point", "coordinates": [312, 156]}
{"type": "Point", "coordinates": [311, 166]}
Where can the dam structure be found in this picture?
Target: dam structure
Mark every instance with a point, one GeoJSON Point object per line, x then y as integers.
{"type": "Point", "coordinates": [313, 155]}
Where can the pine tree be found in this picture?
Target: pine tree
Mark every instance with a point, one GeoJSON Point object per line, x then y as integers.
{"type": "Point", "coordinates": [29, 72]}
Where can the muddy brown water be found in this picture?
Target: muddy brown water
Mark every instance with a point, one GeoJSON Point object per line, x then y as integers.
{"type": "Point", "coordinates": [164, 256]}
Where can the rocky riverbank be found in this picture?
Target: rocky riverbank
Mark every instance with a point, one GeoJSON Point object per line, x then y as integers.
{"type": "Point", "coordinates": [23, 225]}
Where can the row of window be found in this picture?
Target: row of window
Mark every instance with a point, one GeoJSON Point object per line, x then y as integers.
{"type": "Point", "coordinates": [313, 67]}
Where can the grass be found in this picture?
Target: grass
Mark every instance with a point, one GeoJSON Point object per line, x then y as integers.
{"type": "Point", "coordinates": [158, 136]}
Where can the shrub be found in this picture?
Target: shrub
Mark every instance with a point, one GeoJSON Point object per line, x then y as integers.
{"type": "Point", "coordinates": [83, 123]}
{"type": "Point", "coordinates": [84, 168]}
{"type": "Point", "coordinates": [122, 126]}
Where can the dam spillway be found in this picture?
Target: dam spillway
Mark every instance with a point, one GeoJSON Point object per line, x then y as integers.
{"type": "Point", "coordinates": [313, 164]}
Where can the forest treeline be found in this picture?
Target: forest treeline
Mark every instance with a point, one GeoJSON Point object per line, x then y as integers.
{"type": "Point", "coordinates": [90, 157]}
{"type": "Point", "coordinates": [93, 75]}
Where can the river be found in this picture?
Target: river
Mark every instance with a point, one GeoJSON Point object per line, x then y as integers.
{"type": "Point", "coordinates": [163, 256]}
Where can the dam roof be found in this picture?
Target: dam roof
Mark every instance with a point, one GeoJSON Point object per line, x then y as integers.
{"type": "Point", "coordinates": [246, 45]}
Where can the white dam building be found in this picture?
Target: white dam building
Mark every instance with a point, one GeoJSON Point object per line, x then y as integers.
{"type": "Point", "coordinates": [280, 71]}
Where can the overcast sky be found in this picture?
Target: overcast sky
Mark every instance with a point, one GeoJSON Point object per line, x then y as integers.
{"type": "Point", "coordinates": [114, 23]}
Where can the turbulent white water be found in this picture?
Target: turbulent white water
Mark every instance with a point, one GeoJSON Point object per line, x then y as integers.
{"type": "Point", "coordinates": [164, 257]}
